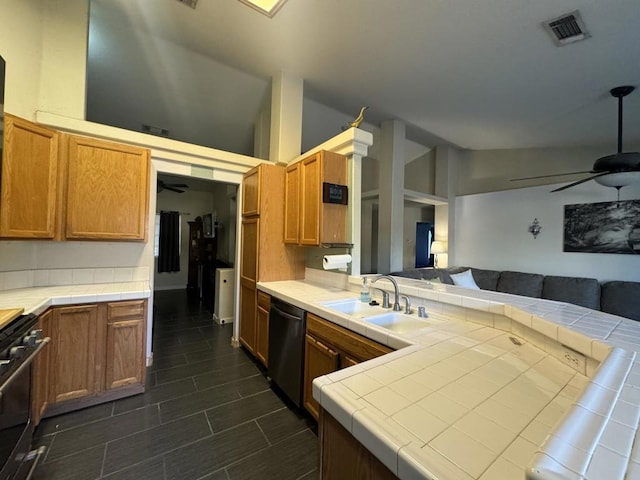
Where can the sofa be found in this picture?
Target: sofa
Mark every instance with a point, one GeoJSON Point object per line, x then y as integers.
{"type": "Point", "coordinates": [620, 298]}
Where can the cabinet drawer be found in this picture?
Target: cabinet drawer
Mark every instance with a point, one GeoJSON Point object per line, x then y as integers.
{"type": "Point", "coordinates": [264, 300]}
{"type": "Point", "coordinates": [123, 310]}
{"type": "Point", "coordinates": [357, 346]}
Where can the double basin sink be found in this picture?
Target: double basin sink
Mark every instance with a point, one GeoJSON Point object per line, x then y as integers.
{"type": "Point", "coordinates": [376, 315]}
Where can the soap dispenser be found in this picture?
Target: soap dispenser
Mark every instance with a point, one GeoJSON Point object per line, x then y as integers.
{"type": "Point", "coordinates": [365, 296]}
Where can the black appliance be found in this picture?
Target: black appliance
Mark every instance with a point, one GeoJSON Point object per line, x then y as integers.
{"type": "Point", "coordinates": [286, 348]}
{"type": "Point", "coordinates": [20, 342]}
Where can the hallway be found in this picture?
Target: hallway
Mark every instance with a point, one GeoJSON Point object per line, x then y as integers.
{"type": "Point", "coordinates": [207, 413]}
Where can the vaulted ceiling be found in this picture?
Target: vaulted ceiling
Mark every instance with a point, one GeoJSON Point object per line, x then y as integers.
{"type": "Point", "coordinates": [481, 75]}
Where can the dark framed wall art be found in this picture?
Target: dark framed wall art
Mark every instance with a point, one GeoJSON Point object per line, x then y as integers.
{"type": "Point", "coordinates": [604, 227]}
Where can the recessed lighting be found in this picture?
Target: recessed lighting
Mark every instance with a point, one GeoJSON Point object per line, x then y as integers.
{"type": "Point", "coordinates": [267, 7]}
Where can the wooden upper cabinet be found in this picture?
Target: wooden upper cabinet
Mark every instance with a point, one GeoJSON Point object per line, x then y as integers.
{"type": "Point", "coordinates": [292, 204]}
{"type": "Point", "coordinates": [31, 180]}
{"type": "Point", "coordinates": [59, 186]}
{"type": "Point", "coordinates": [316, 222]}
{"type": "Point", "coordinates": [251, 192]}
{"type": "Point", "coordinates": [107, 191]}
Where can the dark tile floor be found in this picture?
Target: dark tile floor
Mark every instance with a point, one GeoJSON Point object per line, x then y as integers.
{"type": "Point", "coordinates": [207, 413]}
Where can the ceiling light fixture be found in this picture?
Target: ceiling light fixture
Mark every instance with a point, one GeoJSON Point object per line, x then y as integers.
{"type": "Point", "coordinates": [266, 7]}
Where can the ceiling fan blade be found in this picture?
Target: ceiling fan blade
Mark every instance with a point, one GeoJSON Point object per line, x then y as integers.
{"type": "Point", "coordinates": [584, 180]}
{"type": "Point", "coordinates": [548, 176]}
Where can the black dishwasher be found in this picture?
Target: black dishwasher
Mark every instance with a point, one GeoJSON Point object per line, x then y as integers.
{"type": "Point", "coordinates": [286, 348]}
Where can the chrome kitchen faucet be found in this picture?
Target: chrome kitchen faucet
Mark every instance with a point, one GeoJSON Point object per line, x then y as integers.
{"type": "Point", "coordinates": [396, 298]}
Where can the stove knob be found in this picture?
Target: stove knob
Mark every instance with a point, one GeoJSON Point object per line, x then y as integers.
{"type": "Point", "coordinates": [17, 352]}
{"type": "Point", "coordinates": [37, 334]}
{"type": "Point", "coordinates": [29, 340]}
{"type": "Point", "coordinates": [4, 365]}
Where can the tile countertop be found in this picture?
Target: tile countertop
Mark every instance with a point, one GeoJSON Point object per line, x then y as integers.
{"type": "Point", "coordinates": [459, 400]}
{"type": "Point", "coordinates": [38, 299]}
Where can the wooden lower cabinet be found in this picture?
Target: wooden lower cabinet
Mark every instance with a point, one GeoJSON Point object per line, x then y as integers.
{"type": "Point", "coordinates": [318, 360]}
{"type": "Point", "coordinates": [77, 345]}
{"type": "Point", "coordinates": [262, 328]}
{"type": "Point", "coordinates": [342, 457]}
{"type": "Point", "coordinates": [124, 360]}
{"type": "Point", "coordinates": [248, 312]}
{"type": "Point", "coordinates": [96, 354]}
{"type": "Point", "coordinates": [330, 347]}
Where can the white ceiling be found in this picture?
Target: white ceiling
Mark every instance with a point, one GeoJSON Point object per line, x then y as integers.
{"type": "Point", "coordinates": [479, 74]}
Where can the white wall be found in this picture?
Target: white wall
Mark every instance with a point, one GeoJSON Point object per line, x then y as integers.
{"type": "Point", "coordinates": [493, 170]}
{"type": "Point", "coordinates": [491, 232]}
{"type": "Point", "coordinates": [170, 87]}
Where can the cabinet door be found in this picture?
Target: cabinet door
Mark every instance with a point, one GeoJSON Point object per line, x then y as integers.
{"type": "Point", "coordinates": [40, 372]}
{"type": "Point", "coordinates": [249, 248]}
{"type": "Point", "coordinates": [262, 336]}
{"type": "Point", "coordinates": [76, 354]}
{"type": "Point", "coordinates": [292, 204]}
{"type": "Point", "coordinates": [124, 359]}
{"type": "Point", "coordinates": [107, 191]}
{"type": "Point", "coordinates": [310, 170]}
{"type": "Point", "coordinates": [357, 347]}
{"type": "Point", "coordinates": [31, 179]}
{"type": "Point", "coordinates": [125, 353]}
{"type": "Point", "coordinates": [262, 328]}
{"type": "Point", "coordinates": [251, 192]}
{"type": "Point", "coordinates": [347, 361]}
{"type": "Point", "coordinates": [344, 457]}
{"type": "Point", "coordinates": [318, 360]}
{"type": "Point", "coordinates": [248, 314]}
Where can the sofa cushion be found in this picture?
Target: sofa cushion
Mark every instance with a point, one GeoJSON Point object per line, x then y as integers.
{"type": "Point", "coordinates": [518, 283]}
{"type": "Point", "coordinates": [579, 291]}
{"type": "Point", "coordinates": [412, 273]}
{"type": "Point", "coordinates": [486, 279]}
{"type": "Point", "coordinates": [621, 298]}
{"type": "Point", "coordinates": [445, 273]}
{"type": "Point", "coordinates": [465, 279]}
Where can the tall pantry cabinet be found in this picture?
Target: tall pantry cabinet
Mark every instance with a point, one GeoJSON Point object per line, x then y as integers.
{"type": "Point", "coordinates": [264, 257]}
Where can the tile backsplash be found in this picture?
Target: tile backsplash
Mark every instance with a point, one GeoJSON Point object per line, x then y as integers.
{"type": "Point", "coordinates": [71, 276]}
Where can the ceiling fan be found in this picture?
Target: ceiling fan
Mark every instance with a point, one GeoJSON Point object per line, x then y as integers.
{"type": "Point", "coordinates": [174, 187]}
{"type": "Point", "coordinates": [616, 170]}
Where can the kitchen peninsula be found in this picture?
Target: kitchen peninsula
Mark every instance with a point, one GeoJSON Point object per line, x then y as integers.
{"type": "Point", "coordinates": [494, 385]}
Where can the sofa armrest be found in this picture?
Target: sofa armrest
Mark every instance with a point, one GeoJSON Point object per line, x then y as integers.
{"type": "Point", "coordinates": [621, 298]}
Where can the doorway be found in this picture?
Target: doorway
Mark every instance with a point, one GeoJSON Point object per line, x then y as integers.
{"type": "Point", "coordinates": [424, 237]}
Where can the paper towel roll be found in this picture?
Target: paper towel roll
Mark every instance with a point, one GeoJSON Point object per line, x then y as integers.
{"type": "Point", "coordinates": [331, 262]}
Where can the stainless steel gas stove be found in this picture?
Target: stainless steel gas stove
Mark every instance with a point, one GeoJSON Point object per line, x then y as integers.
{"type": "Point", "coordinates": [20, 342]}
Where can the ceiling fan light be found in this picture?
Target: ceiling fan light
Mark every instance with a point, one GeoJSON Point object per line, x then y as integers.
{"type": "Point", "coordinates": [618, 180]}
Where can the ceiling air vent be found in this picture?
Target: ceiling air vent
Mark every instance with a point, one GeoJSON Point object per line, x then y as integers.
{"type": "Point", "coordinates": [189, 3]}
{"type": "Point", "coordinates": [567, 29]}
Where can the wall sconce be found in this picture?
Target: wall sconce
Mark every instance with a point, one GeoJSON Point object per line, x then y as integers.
{"type": "Point", "coordinates": [436, 248]}
{"type": "Point", "coordinates": [534, 228]}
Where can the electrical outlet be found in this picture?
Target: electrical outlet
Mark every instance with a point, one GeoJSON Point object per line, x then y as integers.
{"type": "Point", "coordinates": [574, 359]}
